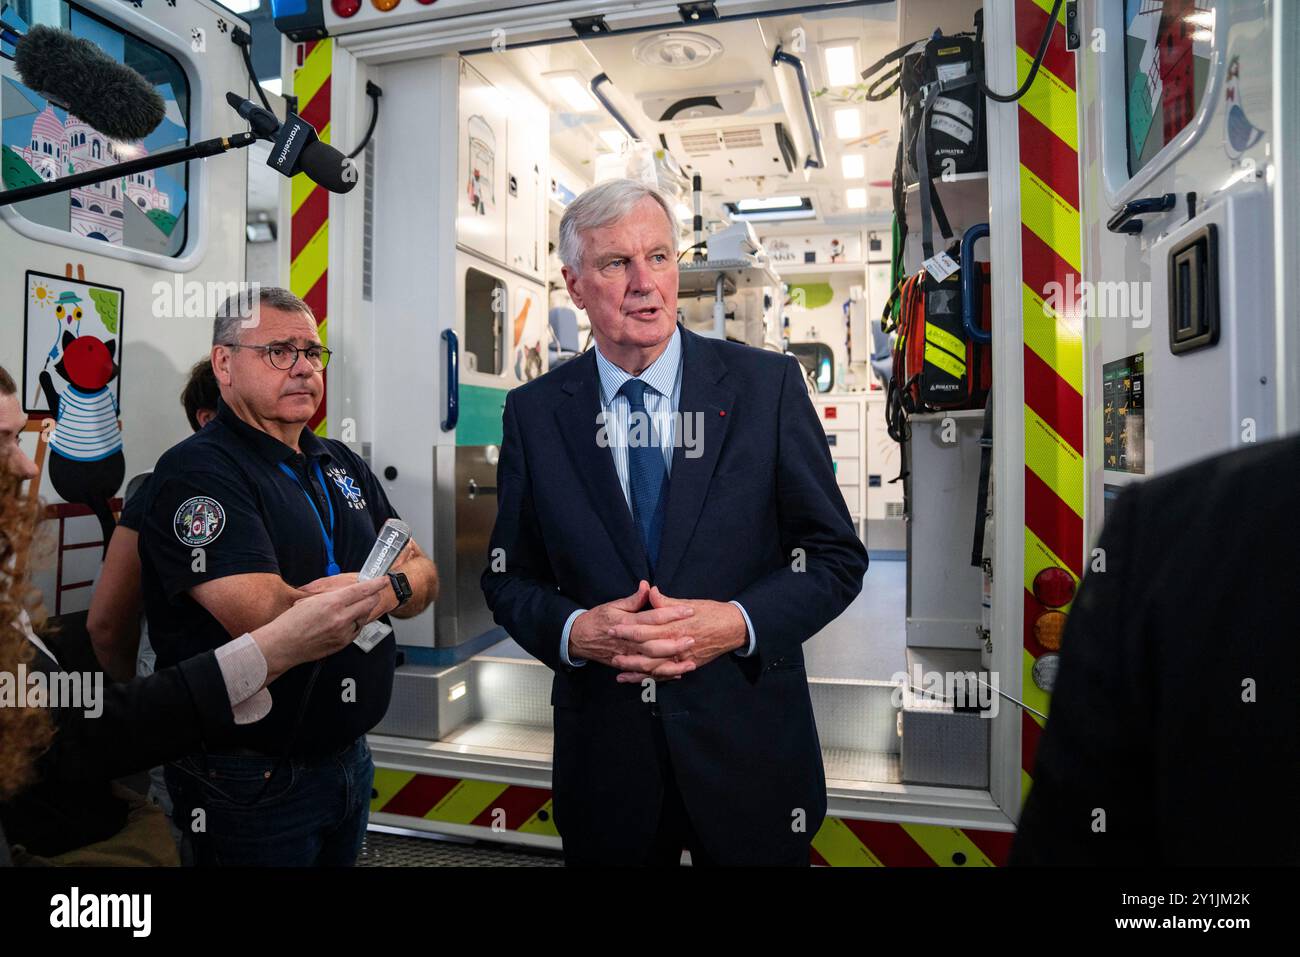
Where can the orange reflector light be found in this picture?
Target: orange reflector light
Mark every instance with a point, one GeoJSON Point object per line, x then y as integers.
{"type": "Point", "coordinates": [1054, 587]}
{"type": "Point", "coordinates": [383, 6]}
{"type": "Point", "coordinates": [1048, 629]}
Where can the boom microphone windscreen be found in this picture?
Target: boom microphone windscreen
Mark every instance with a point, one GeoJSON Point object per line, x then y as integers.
{"type": "Point", "coordinates": [325, 165]}
{"type": "Point", "coordinates": [77, 75]}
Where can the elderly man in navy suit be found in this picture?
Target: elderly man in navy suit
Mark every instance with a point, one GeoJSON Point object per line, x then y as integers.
{"type": "Point", "coordinates": [669, 534]}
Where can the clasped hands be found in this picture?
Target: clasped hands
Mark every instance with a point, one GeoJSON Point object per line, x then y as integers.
{"type": "Point", "coordinates": [670, 638]}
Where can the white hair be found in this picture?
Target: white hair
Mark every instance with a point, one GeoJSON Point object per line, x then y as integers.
{"type": "Point", "coordinates": [603, 205]}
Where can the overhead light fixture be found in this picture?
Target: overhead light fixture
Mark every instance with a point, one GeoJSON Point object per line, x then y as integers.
{"type": "Point", "coordinates": [848, 123]}
{"type": "Point", "coordinates": [768, 202]}
{"type": "Point", "coordinates": [772, 208]}
{"type": "Point", "coordinates": [853, 166]}
{"type": "Point", "coordinates": [841, 64]}
{"type": "Point", "coordinates": [614, 139]}
{"type": "Point", "coordinates": [856, 197]}
{"type": "Point", "coordinates": [568, 86]}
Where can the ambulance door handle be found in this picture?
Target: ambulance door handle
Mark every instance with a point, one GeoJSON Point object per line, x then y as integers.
{"type": "Point", "coordinates": [453, 380]}
{"type": "Point", "coordinates": [1124, 222]}
{"type": "Point", "coordinates": [474, 489]}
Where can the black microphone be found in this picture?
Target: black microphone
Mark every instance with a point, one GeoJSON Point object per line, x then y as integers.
{"type": "Point", "coordinates": [295, 148]}
{"type": "Point", "coordinates": [78, 76]}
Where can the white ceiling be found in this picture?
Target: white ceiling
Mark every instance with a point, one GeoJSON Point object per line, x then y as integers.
{"type": "Point", "coordinates": [745, 59]}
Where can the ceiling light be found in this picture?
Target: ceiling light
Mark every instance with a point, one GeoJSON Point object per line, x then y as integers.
{"type": "Point", "coordinates": [853, 166]}
{"type": "Point", "coordinates": [614, 139]}
{"type": "Point", "coordinates": [841, 64]}
{"type": "Point", "coordinates": [771, 208]}
{"type": "Point", "coordinates": [770, 202]}
{"type": "Point", "coordinates": [848, 123]}
{"type": "Point", "coordinates": [856, 197]}
{"type": "Point", "coordinates": [572, 91]}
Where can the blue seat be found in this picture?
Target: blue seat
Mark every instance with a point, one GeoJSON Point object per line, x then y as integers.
{"type": "Point", "coordinates": [564, 335]}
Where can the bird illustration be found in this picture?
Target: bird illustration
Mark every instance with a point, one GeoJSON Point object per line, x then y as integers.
{"type": "Point", "coordinates": [1240, 133]}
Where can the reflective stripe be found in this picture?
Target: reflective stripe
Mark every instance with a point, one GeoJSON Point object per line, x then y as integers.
{"type": "Point", "coordinates": [945, 340]}
{"type": "Point", "coordinates": [948, 363]}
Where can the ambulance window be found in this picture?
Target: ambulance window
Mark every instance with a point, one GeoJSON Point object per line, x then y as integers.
{"type": "Point", "coordinates": [40, 141]}
{"type": "Point", "coordinates": [1166, 65]}
{"type": "Point", "coordinates": [818, 362]}
{"type": "Point", "coordinates": [485, 308]}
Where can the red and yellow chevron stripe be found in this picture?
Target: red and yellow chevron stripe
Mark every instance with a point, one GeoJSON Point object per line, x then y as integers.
{"type": "Point", "coordinates": [839, 843]}
{"type": "Point", "coordinates": [309, 232]}
{"type": "Point", "coordinates": [488, 804]}
{"type": "Point", "coordinates": [1051, 273]}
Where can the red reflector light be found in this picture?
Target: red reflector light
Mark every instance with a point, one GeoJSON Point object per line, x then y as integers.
{"type": "Point", "coordinates": [1048, 629]}
{"type": "Point", "coordinates": [1054, 587]}
{"type": "Point", "coordinates": [345, 8]}
{"type": "Point", "coordinates": [427, 2]}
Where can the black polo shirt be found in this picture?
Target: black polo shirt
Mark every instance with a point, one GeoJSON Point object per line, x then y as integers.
{"type": "Point", "coordinates": [219, 504]}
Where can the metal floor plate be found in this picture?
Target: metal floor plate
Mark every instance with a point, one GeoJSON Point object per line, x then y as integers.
{"type": "Point", "coordinates": [846, 764]}
{"type": "Point", "coordinates": [381, 849]}
{"type": "Point", "coordinates": [500, 736]}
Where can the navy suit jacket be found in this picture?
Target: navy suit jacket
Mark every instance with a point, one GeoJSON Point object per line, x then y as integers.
{"type": "Point", "coordinates": [757, 517]}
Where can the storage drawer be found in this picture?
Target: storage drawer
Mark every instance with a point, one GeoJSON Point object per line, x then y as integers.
{"type": "Point", "coordinates": [837, 416]}
{"type": "Point", "coordinates": [847, 472]}
{"type": "Point", "coordinates": [844, 445]}
{"type": "Point", "coordinates": [851, 493]}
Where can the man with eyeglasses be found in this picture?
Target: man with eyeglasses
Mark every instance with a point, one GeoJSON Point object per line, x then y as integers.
{"type": "Point", "coordinates": [244, 519]}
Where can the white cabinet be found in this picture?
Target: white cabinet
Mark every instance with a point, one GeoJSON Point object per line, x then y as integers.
{"type": "Point", "coordinates": [884, 463]}
{"type": "Point", "coordinates": [503, 169]}
{"type": "Point", "coordinates": [843, 417]}
{"type": "Point", "coordinates": [481, 209]}
{"type": "Point", "coordinates": [528, 130]}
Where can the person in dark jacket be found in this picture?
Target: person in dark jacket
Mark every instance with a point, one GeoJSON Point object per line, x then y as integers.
{"type": "Point", "coordinates": [1174, 735]}
{"type": "Point", "coordinates": [57, 762]}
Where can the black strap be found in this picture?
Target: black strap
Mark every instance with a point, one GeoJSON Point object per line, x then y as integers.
{"type": "Point", "coordinates": [887, 59]}
{"type": "Point", "coordinates": [924, 183]}
{"type": "Point", "coordinates": [874, 92]}
{"type": "Point", "coordinates": [899, 190]}
{"type": "Point", "coordinates": [982, 496]}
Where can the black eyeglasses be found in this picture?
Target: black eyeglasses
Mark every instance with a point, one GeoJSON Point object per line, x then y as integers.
{"type": "Point", "coordinates": [284, 356]}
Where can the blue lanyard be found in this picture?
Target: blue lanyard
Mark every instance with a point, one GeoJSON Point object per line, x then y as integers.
{"type": "Point", "coordinates": [328, 536]}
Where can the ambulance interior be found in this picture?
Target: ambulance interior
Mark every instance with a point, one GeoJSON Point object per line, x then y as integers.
{"type": "Point", "coordinates": [794, 167]}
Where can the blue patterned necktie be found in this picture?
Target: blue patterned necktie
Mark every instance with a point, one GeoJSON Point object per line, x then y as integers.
{"type": "Point", "coordinates": [647, 475]}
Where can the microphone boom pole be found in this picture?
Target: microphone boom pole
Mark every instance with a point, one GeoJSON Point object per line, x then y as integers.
{"type": "Point", "coordinates": [212, 147]}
